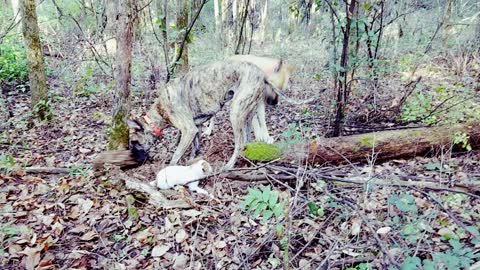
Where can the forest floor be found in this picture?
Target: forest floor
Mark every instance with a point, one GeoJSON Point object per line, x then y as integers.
{"type": "Point", "coordinates": [74, 220]}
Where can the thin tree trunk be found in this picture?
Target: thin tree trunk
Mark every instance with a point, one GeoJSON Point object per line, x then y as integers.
{"type": "Point", "coordinates": [342, 90]}
{"type": "Point", "coordinates": [477, 32]}
{"type": "Point", "coordinates": [182, 24]}
{"type": "Point", "coordinates": [263, 21]}
{"type": "Point", "coordinates": [228, 28]}
{"type": "Point", "coordinates": [446, 23]}
{"type": "Point", "coordinates": [122, 74]}
{"type": "Point", "coordinates": [16, 11]}
{"type": "Point", "coordinates": [36, 74]}
{"type": "Point", "coordinates": [218, 19]}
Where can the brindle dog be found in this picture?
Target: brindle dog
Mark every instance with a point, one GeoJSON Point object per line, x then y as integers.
{"type": "Point", "coordinates": [189, 101]}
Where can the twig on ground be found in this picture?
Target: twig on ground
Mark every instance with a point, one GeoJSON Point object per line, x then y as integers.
{"type": "Point", "coordinates": [370, 227]}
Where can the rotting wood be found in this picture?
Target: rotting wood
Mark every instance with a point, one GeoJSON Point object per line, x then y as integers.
{"type": "Point", "coordinates": [387, 145]}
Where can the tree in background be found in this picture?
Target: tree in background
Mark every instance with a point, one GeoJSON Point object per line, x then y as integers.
{"type": "Point", "coordinates": [342, 85]}
{"type": "Point", "coordinates": [182, 24]}
{"type": "Point", "coordinates": [36, 75]}
{"type": "Point", "coordinates": [122, 74]}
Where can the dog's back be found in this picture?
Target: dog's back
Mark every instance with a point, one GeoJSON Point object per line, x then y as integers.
{"type": "Point", "coordinates": [205, 89]}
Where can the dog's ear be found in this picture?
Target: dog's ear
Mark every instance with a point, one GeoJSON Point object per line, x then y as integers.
{"type": "Point", "coordinates": [279, 65]}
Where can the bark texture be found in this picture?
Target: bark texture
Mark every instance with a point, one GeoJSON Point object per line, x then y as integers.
{"type": "Point", "coordinates": [36, 74]}
{"type": "Point", "coordinates": [122, 73]}
{"type": "Point", "coordinates": [182, 24]}
{"type": "Point", "coordinates": [390, 144]}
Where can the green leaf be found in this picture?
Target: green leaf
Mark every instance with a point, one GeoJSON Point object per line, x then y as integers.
{"type": "Point", "coordinates": [278, 210]}
{"type": "Point", "coordinates": [279, 228]}
{"type": "Point", "coordinates": [433, 166]}
{"type": "Point", "coordinates": [255, 192]}
{"type": "Point", "coordinates": [411, 263]}
{"type": "Point", "coordinates": [267, 215]}
{"type": "Point", "coordinates": [254, 204]}
{"type": "Point", "coordinates": [313, 209]}
{"type": "Point", "coordinates": [272, 201]}
{"type": "Point", "coordinates": [367, 6]}
{"type": "Point", "coordinates": [266, 193]}
{"type": "Point", "coordinates": [261, 206]}
{"type": "Point", "coordinates": [428, 265]}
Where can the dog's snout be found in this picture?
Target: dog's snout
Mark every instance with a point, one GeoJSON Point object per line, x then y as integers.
{"type": "Point", "coordinates": [272, 100]}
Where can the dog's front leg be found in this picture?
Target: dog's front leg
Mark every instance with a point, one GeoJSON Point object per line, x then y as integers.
{"type": "Point", "coordinates": [188, 134]}
{"type": "Point", "coordinates": [259, 125]}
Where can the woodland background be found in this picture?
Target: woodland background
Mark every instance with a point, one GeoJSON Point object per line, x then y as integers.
{"type": "Point", "coordinates": [71, 71]}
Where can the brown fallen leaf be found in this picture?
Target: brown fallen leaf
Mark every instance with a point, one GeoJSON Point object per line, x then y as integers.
{"type": "Point", "coordinates": [89, 236]}
{"type": "Point", "coordinates": [33, 257]}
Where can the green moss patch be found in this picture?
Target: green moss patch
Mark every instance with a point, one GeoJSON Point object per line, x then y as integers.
{"type": "Point", "coordinates": [259, 151]}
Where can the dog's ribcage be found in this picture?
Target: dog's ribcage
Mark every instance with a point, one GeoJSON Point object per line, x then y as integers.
{"type": "Point", "coordinates": [203, 91]}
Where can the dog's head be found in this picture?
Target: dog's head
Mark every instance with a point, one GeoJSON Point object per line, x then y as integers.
{"type": "Point", "coordinates": [271, 97]}
{"type": "Point", "coordinates": [142, 134]}
{"type": "Point", "coordinates": [201, 164]}
{"type": "Point", "coordinates": [281, 75]}
{"type": "Point", "coordinates": [278, 79]}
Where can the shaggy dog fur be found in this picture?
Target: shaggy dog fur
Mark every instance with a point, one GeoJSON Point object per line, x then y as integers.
{"type": "Point", "coordinates": [193, 99]}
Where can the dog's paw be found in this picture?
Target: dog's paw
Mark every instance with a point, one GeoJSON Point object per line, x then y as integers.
{"type": "Point", "coordinates": [266, 139]}
{"type": "Point", "coordinates": [207, 132]}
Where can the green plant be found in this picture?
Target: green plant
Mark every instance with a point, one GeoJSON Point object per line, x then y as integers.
{"type": "Point", "coordinates": [458, 257]}
{"type": "Point", "coordinates": [362, 266]}
{"type": "Point", "coordinates": [462, 139]}
{"type": "Point", "coordinates": [13, 64]}
{"type": "Point", "coordinates": [43, 110]}
{"type": "Point", "coordinates": [290, 137]}
{"type": "Point", "coordinates": [6, 163]}
{"type": "Point", "coordinates": [404, 203]}
{"type": "Point", "coordinates": [85, 86]}
{"type": "Point", "coordinates": [417, 107]}
{"type": "Point", "coordinates": [265, 203]}
{"type": "Point", "coordinates": [7, 230]}
{"type": "Point", "coordinates": [79, 171]}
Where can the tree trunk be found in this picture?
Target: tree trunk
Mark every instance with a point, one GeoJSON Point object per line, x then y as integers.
{"type": "Point", "coordinates": [36, 74]}
{"type": "Point", "coordinates": [304, 10]}
{"type": "Point", "coordinates": [218, 19]}
{"type": "Point", "coordinates": [342, 85]}
{"type": "Point", "coordinates": [477, 33]}
{"type": "Point", "coordinates": [182, 24]}
{"type": "Point", "coordinates": [228, 25]}
{"type": "Point", "coordinates": [16, 11]}
{"type": "Point", "coordinates": [263, 21]}
{"type": "Point", "coordinates": [387, 145]}
{"type": "Point", "coordinates": [122, 74]}
{"type": "Point", "coordinates": [446, 23]}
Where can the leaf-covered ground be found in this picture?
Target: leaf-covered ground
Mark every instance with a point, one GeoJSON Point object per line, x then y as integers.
{"type": "Point", "coordinates": [408, 213]}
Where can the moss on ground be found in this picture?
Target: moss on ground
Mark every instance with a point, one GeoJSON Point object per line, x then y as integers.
{"type": "Point", "coordinates": [259, 151]}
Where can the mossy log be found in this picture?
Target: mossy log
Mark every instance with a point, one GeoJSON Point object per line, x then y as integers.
{"type": "Point", "coordinates": [387, 145]}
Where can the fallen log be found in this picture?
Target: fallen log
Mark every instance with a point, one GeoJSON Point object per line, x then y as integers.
{"type": "Point", "coordinates": [387, 145]}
